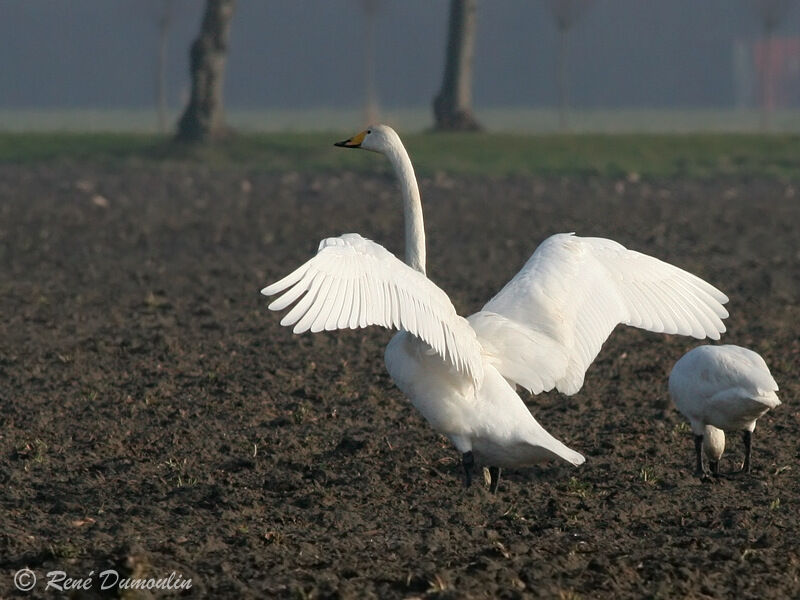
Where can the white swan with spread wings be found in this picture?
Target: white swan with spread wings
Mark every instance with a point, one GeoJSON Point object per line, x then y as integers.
{"type": "Point", "coordinates": [541, 331]}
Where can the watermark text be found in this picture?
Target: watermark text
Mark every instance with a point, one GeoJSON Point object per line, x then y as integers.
{"type": "Point", "coordinates": [60, 581]}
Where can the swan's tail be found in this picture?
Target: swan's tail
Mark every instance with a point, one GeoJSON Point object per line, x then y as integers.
{"type": "Point", "coordinates": [556, 448]}
{"type": "Point", "coordinates": [568, 454]}
{"type": "Point", "coordinates": [770, 399]}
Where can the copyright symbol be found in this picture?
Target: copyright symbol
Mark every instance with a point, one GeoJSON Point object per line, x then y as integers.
{"type": "Point", "coordinates": [25, 579]}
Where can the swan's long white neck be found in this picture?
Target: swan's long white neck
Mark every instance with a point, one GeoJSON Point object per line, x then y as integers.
{"type": "Point", "coordinates": [412, 206]}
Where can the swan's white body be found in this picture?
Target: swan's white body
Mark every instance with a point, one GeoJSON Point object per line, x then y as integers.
{"type": "Point", "coordinates": [541, 331]}
{"type": "Point", "coordinates": [488, 418]}
{"type": "Point", "coordinates": [721, 388]}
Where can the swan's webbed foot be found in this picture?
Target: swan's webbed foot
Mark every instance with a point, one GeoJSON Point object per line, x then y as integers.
{"type": "Point", "coordinates": [494, 473]}
{"type": "Point", "coordinates": [704, 475]}
{"type": "Point", "coordinates": [468, 462]}
{"type": "Point", "coordinates": [707, 477]}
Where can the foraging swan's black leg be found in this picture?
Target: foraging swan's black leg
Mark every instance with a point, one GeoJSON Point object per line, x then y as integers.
{"type": "Point", "coordinates": [468, 462]}
{"type": "Point", "coordinates": [714, 464]}
{"type": "Point", "coordinates": [748, 447]}
{"type": "Point", "coordinates": [698, 448]}
{"type": "Point", "coordinates": [494, 473]}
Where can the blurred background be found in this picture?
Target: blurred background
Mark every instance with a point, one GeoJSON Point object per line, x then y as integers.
{"type": "Point", "coordinates": [538, 65]}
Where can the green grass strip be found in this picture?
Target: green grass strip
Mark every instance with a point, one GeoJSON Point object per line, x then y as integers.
{"type": "Point", "coordinates": [485, 154]}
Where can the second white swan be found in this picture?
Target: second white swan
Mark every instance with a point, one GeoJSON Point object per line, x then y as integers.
{"type": "Point", "coordinates": [541, 331]}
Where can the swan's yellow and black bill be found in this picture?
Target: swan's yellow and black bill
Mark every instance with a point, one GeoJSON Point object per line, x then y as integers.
{"type": "Point", "coordinates": [353, 142]}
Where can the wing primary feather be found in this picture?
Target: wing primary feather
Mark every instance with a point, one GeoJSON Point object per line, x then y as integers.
{"type": "Point", "coordinates": [409, 312]}
{"type": "Point", "coordinates": [712, 308]}
{"type": "Point", "coordinates": [425, 326]}
{"type": "Point", "coordinates": [287, 281]}
{"type": "Point", "coordinates": [657, 306]}
{"type": "Point", "coordinates": [708, 318]}
{"type": "Point", "coordinates": [397, 307]}
{"type": "Point", "coordinates": [708, 289]}
{"type": "Point", "coordinates": [326, 315]}
{"type": "Point", "coordinates": [304, 324]}
{"type": "Point", "coordinates": [388, 307]}
{"type": "Point", "coordinates": [682, 308]}
{"type": "Point", "coordinates": [370, 303]}
{"type": "Point", "coordinates": [346, 303]}
{"type": "Point", "coordinates": [300, 309]}
{"type": "Point", "coordinates": [661, 297]}
{"type": "Point", "coordinates": [366, 308]}
{"type": "Point", "coordinates": [386, 288]}
{"type": "Point", "coordinates": [290, 295]}
{"type": "Point", "coordinates": [639, 301]}
{"type": "Point", "coordinates": [355, 309]}
{"type": "Point", "coordinates": [656, 323]}
{"type": "Point", "coordinates": [714, 304]}
{"type": "Point", "coordinates": [317, 314]}
{"type": "Point", "coordinates": [630, 303]}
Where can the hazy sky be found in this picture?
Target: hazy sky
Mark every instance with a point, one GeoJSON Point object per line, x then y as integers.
{"type": "Point", "coordinates": [308, 53]}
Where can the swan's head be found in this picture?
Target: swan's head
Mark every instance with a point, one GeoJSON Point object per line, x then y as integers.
{"type": "Point", "coordinates": [377, 138]}
{"type": "Point", "coordinates": [713, 442]}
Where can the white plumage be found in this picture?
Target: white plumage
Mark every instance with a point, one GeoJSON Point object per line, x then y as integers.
{"type": "Point", "coordinates": [722, 388]}
{"type": "Point", "coordinates": [570, 295]}
{"type": "Point", "coordinates": [541, 331]}
{"type": "Point", "coordinates": [353, 282]}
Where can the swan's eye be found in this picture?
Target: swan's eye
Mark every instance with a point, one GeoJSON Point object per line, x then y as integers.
{"type": "Point", "coordinates": [369, 131]}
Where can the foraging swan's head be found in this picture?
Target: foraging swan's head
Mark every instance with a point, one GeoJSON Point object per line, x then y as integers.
{"type": "Point", "coordinates": [377, 138]}
{"type": "Point", "coordinates": [713, 442]}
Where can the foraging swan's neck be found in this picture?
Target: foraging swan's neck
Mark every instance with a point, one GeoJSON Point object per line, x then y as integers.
{"type": "Point", "coordinates": [412, 205]}
{"type": "Point", "coordinates": [713, 442]}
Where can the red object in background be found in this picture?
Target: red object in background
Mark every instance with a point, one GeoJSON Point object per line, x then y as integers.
{"type": "Point", "coordinates": [777, 63]}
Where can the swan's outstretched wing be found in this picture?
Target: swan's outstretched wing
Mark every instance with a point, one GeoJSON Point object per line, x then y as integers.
{"type": "Point", "coordinates": [547, 325]}
{"type": "Point", "coordinates": [353, 282]}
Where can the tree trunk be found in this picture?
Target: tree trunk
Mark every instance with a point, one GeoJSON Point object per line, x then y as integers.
{"type": "Point", "coordinates": [452, 107]}
{"type": "Point", "coordinates": [766, 83]}
{"type": "Point", "coordinates": [203, 118]}
{"type": "Point", "coordinates": [561, 76]}
{"type": "Point", "coordinates": [164, 21]}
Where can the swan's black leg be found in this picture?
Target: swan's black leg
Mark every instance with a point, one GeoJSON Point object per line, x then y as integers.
{"type": "Point", "coordinates": [698, 448]}
{"type": "Point", "coordinates": [748, 448]}
{"type": "Point", "coordinates": [714, 464]}
{"type": "Point", "coordinates": [468, 462]}
{"type": "Point", "coordinates": [494, 473]}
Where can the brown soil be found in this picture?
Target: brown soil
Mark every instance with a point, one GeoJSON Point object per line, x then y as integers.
{"type": "Point", "coordinates": [156, 418]}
